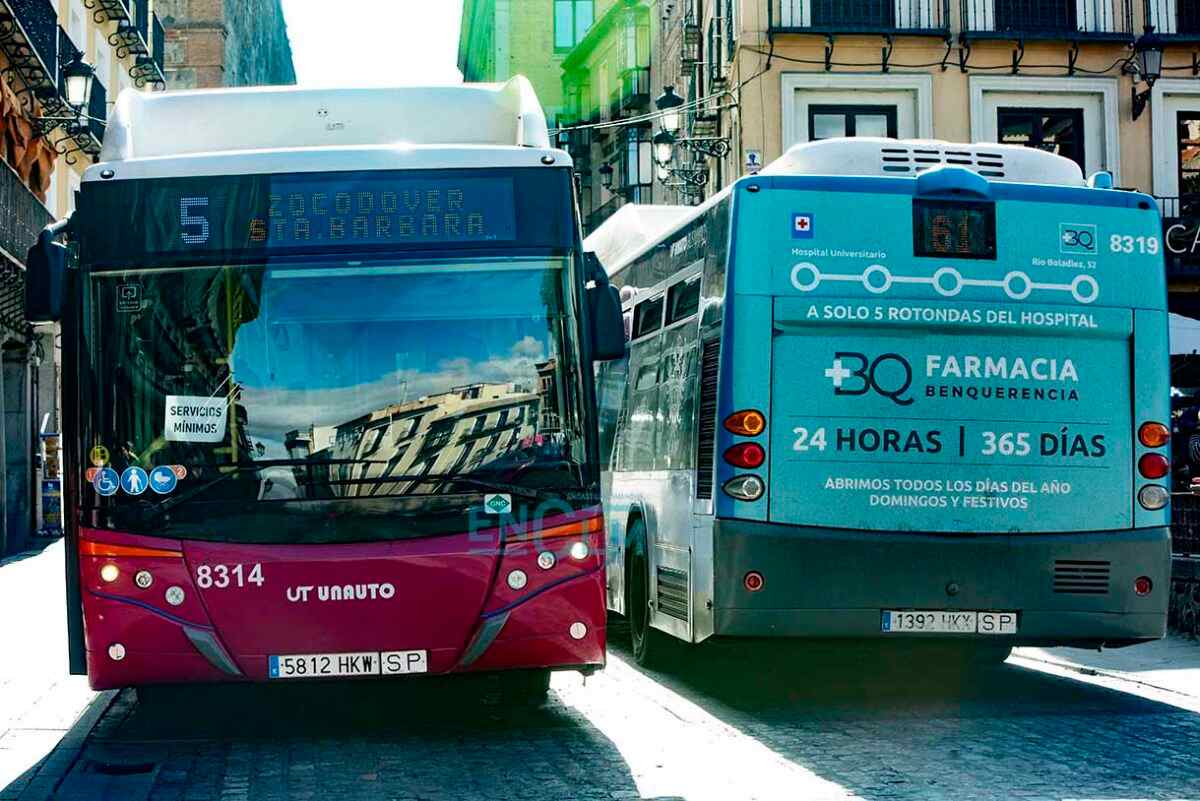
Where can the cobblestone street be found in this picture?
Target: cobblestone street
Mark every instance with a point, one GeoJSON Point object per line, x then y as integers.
{"type": "Point", "coordinates": [740, 721]}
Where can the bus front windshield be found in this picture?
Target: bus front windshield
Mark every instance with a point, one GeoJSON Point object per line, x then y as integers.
{"type": "Point", "coordinates": [331, 402]}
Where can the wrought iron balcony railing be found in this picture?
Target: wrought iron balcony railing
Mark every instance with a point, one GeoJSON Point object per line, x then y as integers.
{"type": "Point", "coordinates": [108, 10]}
{"type": "Point", "coordinates": [1048, 19]}
{"type": "Point", "coordinates": [913, 17]}
{"type": "Point", "coordinates": [97, 112]}
{"type": "Point", "coordinates": [1179, 19]}
{"type": "Point", "coordinates": [22, 215]}
{"type": "Point", "coordinates": [635, 88]}
{"type": "Point", "coordinates": [158, 45]}
{"type": "Point", "coordinates": [141, 15]}
{"type": "Point", "coordinates": [29, 35]}
{"type": "Point", "coordinates": [1181, 235]}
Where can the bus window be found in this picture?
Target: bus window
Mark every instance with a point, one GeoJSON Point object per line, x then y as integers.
{"type": "Point", "coordinates": [647, 317]}
{"type": "Point", "coordinates": [683, 300]}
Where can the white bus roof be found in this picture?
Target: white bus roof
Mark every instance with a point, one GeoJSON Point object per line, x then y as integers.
{"type": "Point", "coordinates": [175, 124]}
{"type": "Point", "coordinates": [634, 228]}
{"type": "Point", "coordinates": [907, 157]}
{"type": "Point", "coordinates": [631, 228]}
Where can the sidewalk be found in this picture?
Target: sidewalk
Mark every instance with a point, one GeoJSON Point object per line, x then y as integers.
{"type": "Point", "coordinates": [39, 701]}
{"type": "Point", "coordinates": [1167, 668]}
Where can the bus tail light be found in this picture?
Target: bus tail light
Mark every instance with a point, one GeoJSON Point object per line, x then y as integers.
{"type": "Point", "coordinates": [754, 581]}
{"type": "Point", "coordinates": [92, 548]}
{"type": "Point", "coordinates": [1142, 585]}
{"type": "Point", "coordinates": [1153, 465]}
{"type": "Point", "coordinates": [746, 423]}
{"type": "Point", "coordinates": [744, 488]}
{"type": "Point", "coordinates": [1153, 497]}
{"type": "Point", "coordinates": [746, 455]}
{"type": "Point", "coordinates": [1154, 435]}
{"type": "Point", "coordinates": [572, 529]}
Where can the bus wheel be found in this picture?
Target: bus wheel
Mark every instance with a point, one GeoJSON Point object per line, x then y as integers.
{"type": "Point", "coordinates": [651, 647]}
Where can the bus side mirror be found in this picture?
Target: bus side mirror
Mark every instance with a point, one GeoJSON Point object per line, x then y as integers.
{"type": "Point", "coordinates": [608, 328]}
{"type": "Point", "coordinates": [45, 278]}
{"type": "Point", "coordinates": [604, 307]}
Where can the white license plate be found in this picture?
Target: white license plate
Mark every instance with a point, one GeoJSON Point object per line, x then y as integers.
{"type": "Point", "coordinates": [364, 663]}
{"type": "Point", "coordinates": [944, 621]}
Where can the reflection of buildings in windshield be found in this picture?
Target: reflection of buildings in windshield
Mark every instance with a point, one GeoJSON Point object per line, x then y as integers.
{"type": "Point", "coordinates": [485, 426]}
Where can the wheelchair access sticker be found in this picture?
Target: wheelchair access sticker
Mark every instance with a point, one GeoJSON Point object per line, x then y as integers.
{"type": "Point", "coordinates": [106, 482]}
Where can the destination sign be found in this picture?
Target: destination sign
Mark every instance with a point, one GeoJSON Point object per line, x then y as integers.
{"type": "Point", "coordinates": [249, 218]}
{"type": "Point", "coordinates": [954, 229]}
{"type": "Point", "coordinates": [369, 210]}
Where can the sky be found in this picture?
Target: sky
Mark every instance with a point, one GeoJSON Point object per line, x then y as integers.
{"type": "Point", "coordinates": [374, 42]}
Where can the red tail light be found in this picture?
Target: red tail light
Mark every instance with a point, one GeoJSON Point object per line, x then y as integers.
{"type": "Point", "coordinates": [1142, 585]}
{"type": "Point", "coordinates": [747, 455]}
{"type": "Point", "coordinates": [1153, 465]}
{"type": "Point", "coordinates": [92, 548]}
{"type": "Point", "coordinates": [1154, 435]}
{"type": "Point", "coordinates": [754, 581]}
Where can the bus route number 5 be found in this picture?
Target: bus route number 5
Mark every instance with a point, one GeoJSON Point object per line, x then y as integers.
{"type": "Point", "coordinates": [222, 576]}
{"type": "Point", "coordinates": [194, 227]}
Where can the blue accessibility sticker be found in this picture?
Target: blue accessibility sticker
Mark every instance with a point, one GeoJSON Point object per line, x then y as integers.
{"type": "Point", "coordinates": [106, 482]}
{"type": "Point", "coordinates": [134, 481]}
{"type": "Point", "coordinates": [163, 479]}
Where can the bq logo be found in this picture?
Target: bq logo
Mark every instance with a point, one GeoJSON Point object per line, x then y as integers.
{"type": "Point", "coordinates": [1077, 238]}
{"type": "Point", "coordinates": [889, 375]}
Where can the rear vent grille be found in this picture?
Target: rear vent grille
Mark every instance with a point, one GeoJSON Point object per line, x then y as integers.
{"type": "Point", "coordinates": [673, 593]}
{"type": "Point", "coordinates": [707, 424]}
{"type": "Point", "coordinates": [902, 160]}
{"type": "Point", "coordinates": [1081, 578]}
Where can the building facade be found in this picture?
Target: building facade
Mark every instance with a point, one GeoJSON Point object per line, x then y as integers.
{"type": "Point", "coordinates": [502, 38]}
{"type": "Point", "coordinates": [214, 43]}
{"type": "Point", "coordinates": [46, 146]}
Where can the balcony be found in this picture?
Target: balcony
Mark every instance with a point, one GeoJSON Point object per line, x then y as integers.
{"type": "Point", "coordinates": [22, 216]}
{"type": "Point", "coordinates": [109, 10]}
{"type": "Point", "coordinates": [1071, 20]}
{"type": "Point", "coordinates": [1177, 19]}
{"type": "Point", "coordinates": [29, 34]}
{"type": "Point", "coordinates": [1181, 236]}
{"type": "Point", "coordinates": [883, 17]}
{"type": "Point", "coordinates": [635, 89]}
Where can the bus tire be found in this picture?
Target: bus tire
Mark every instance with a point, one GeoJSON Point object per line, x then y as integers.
{"type": "Point", "coordinates": [651, 647]}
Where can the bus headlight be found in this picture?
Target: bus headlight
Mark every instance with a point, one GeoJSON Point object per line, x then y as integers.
{"type": "Point", "coordinates": [1153, 497]}
{"type": "Point", "coordinates": [744, 488]}
{"type": "Point", "coordinates": [109, 573]}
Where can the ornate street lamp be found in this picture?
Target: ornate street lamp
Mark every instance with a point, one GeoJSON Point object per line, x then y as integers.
{"type": "Point", "coordinates": [79, 77]}
{"type": "Point", "coordinates": [664, 148]}
{"type": "Point", "coordinates": [668, 103]}
{"type": "Point", "coordinates": [606, 176]}
{"type": "Point", "coordinates": [1148, 50]}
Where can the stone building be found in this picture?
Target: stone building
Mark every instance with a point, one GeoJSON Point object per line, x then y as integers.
{"type": "Point", "coordinates": [45, 146]}
{"type": "Point", "coordinates": [213, 43]}
{"type": "Point", "coordinates": [502, 38]}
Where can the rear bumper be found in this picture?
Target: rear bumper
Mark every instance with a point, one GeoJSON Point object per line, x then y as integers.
{"type": "Point", "coordinates": [834, 583]}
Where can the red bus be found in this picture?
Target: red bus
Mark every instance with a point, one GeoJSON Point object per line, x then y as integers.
{"type": "Point", "coordinates": [328, 402]}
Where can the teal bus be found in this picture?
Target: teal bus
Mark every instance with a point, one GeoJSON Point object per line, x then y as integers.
{"type": "Point", "coordinates": [893, 390]}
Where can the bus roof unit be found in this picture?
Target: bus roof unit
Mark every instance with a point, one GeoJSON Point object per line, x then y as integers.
{"type": "Point", "coordinates": [907, 157]}
{"type": "Point", "coordinates": [144, 126]}
{"type": "Point", "coordinates": [635, 225]}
